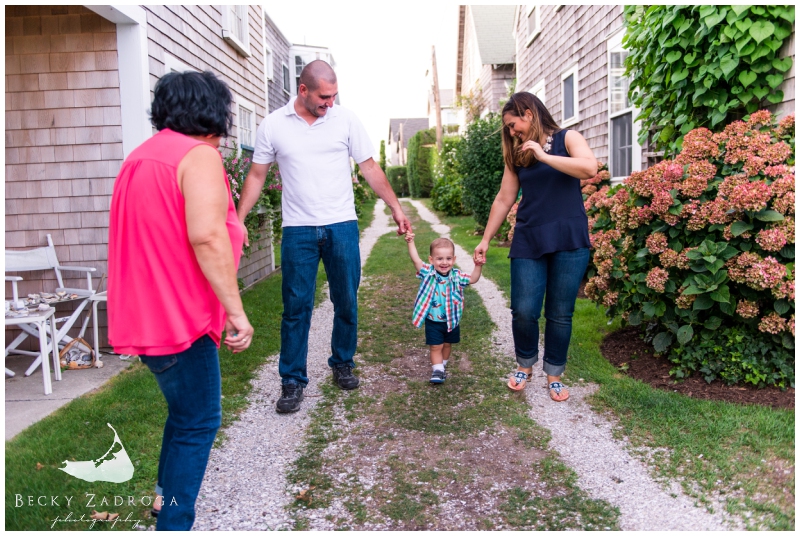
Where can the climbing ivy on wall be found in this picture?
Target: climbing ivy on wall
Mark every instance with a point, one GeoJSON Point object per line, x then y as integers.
{"type": "Point", "coordinates": [703, 66]}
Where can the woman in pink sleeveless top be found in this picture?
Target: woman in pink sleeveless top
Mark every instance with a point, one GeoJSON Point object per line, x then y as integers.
{"type": "Point", "coordinates": [173, 250]}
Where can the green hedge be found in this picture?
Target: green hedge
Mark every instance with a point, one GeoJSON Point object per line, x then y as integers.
{"type": "Point", "coordinates": [398, 179]}
{"type": "Point", "coordinates": [448, 187]}
{"type": "Point", "coordinates": [480, 163]}
{"type": "Point", "coordinates": [421, 151]}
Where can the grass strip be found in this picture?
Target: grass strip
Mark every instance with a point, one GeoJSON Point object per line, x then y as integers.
{"type": "Point", "coordinates": [742, 454]}
{"type": "Point", "coordinates": [394, 450]}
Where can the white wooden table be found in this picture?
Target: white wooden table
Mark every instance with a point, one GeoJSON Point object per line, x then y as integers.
{"type": "Point", "coordinates": [41, 319]}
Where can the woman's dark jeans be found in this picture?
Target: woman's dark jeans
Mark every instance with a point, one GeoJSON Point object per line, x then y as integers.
{"type": "Point", "coordinates": [558, 276]}
{"type": "Point", "coordinates": [190, 382]}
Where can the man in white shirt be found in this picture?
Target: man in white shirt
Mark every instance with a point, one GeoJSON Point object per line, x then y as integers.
{"type": "Point", "coordinates": [312, 142]}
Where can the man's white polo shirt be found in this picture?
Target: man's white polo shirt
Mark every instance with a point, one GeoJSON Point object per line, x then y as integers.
{"type": "Point", "coordinates": [314, 161]}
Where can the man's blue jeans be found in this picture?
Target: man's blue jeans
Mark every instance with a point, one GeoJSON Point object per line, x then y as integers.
{"type": "Point", "coordinates": [301, 250]}
{"type": "Point", "coordinates": [558, 275]}
{"type": "Point", "coordinates": [190, 382]}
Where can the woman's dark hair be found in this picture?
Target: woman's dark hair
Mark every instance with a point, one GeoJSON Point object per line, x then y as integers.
{"type": "Point", "coordinates": [192, 103]}
{"type": "Point", "coordinates": [542, 125]}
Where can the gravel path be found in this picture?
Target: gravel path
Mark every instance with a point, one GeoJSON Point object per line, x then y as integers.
{"type": "Point", "coordinates": [245, 486]}
{"type": "Point", "coordinates": [606, 470]}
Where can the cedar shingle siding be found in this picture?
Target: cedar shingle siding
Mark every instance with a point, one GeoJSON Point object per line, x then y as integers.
{"type": "Point", "coordinates": [64, 122]}
{"type": "Point", "coordinates": [573, 34]}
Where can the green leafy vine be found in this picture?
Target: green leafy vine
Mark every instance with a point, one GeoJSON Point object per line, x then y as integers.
{"type": "Point", "coordinates": [703, 66]}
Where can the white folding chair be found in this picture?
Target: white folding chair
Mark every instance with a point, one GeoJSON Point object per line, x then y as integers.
{"type": "Point", "coordinates": [45, 259]}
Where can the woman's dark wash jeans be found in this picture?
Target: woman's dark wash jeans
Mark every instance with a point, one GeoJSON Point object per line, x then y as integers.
{"type": "Point", "coordinates": [190, 381]}
{"type": "Point", "coordinates": [558, 276]}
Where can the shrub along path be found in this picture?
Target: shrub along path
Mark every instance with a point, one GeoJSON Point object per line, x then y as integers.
{"type": "Point", "coordinates": [584, 439]}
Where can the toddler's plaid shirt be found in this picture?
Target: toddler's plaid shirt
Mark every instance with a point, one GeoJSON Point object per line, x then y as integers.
{"type": "Point", "coordinates": [454, 299]}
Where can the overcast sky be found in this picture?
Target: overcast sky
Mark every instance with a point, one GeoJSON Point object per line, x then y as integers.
{"type": "Point", "coordinates": [381, 50]}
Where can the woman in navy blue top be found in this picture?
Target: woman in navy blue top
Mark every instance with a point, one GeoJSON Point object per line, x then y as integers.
{"type": "Point", "coordinates": [550, 250]}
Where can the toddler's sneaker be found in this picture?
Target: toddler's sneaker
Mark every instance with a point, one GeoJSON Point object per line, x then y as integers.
{"type": "Point", "coordinates": [438, 376]}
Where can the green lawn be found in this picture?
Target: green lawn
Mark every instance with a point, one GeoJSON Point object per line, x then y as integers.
{"type": "Point", "coordinates": [743, 454]}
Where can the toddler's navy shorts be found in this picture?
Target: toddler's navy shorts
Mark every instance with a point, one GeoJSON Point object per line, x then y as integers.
{"type": "Point", "coordinates": [436, 333]}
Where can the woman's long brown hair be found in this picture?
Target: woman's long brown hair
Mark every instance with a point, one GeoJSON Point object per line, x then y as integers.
{"type": "Point", "coordinates": [542, 125]}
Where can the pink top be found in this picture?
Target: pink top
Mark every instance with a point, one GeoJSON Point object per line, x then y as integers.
{"type": "Point", "coordinates": [159, 301]}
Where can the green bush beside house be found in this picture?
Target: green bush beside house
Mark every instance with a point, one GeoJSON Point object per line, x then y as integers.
{"type": "Point", "coordinates": [398, 179]}
{"type": "Point", "coordinates": [480, 163]}
{"type": "Point", "coordinates": [448, 184]}
{"type": "Point", "coordinates": [421, 151]}
{"type": "Point", "coordinates": [700, 250]}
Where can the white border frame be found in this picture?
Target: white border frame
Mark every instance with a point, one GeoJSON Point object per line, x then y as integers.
{"type": "Point", "coordinates": [614, 43]}
{"type": "Point", "coordinates": [244, 103]}
{"type": "Point", "coordinates": [569, 121]}
{"type": "Point", "coordinates": [540, 91]}
{"type": "Point", "coordinates": [243, 47]}
{"type": "Point", "coordinates": [528, 11]}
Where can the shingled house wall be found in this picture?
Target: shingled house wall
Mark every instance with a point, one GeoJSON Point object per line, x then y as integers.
{"type": "Point", "coordinates": [64, 124]}
{"type": "Point", "coordinates": [569, 35]}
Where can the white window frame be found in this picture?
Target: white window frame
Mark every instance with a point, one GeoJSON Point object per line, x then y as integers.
{"type": "Point", "coordinates": [614, 44]}
{"type": "Point", "coordinates": [538, 89]}
{"type": "Point", "coordinates": [286, 73]}
{"type": "Point", "coordinates": [171, 63]}
{"type": "Point", "coordinates": [242, 45]}
{"type": "Point", "coordinates": [538, 15]}
{"type": "Point", "coordinates": [269, 60]}
{"type": "Point", "coordinates": [569, 121]}
{"type": "Point", "coordinates": [241, 102]}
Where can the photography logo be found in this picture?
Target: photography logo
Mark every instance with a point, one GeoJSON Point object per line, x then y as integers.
{"type": "Point", "coordinates": [113, 466]}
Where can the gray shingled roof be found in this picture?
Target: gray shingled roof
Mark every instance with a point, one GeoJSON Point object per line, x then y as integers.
{"type": "Point", "coordinates": [493, 28]}
{"type": "Point", "coordinates": [446, 96]}
{"type": "Point", "coordinates": [410, 127]}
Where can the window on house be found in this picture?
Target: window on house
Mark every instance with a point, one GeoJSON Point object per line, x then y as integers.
{"type": "Point", "coordinates": [247, 120]}
{"type": "Point", "coordinates": [287, 83]}
{"type": "Point", "coordinates": [569, 97]}
{"type": "Point", "coordinates": [299, 63]}
{"type": "Point", "coordinates": [621, 144]}
{"type": "Point", "coordinates": [174, 65]}
{"type": "Point", "coordinates": [624, 151]}
{"type": "Point", "coordinates": [534, 24]}
{"type": "Point", "coordinates": [538, 90]}
{"type": "Point", "coordinates": [268, 59]}
{"type": "Point", "coordinates": [235, 28]}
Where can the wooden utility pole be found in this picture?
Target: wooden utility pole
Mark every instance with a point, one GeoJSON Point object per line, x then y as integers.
{"type": "Point", "coordinates": [437, 102]}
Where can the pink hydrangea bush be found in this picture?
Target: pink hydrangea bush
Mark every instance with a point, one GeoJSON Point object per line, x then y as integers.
{"type": "Point", "coordinates": [701, 250]}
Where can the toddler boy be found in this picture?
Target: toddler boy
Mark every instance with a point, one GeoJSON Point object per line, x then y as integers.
{"type": "Point", "coordinates": [440, 300]}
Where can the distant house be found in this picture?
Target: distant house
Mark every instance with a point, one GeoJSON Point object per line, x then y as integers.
{"type": "Point", "coordinates": [450, 123]}
{"type": "Point", "coordinates": [400, 131]}
{"type": "Point", "coordinates": [279, 85]}
{"type": "Point", "coordinates": [302, 55]}
{"type": "Point", "coordinates": [79, 84]}
{"type": "Point", "coordinates": [485, 57]}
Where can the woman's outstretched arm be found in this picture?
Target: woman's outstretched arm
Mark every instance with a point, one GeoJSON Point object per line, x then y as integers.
{"type": "Point", "coordinates": [503, 201]}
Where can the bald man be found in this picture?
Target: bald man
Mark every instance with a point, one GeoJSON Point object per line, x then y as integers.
{"type": "Point", "coordinates": [312, 142]}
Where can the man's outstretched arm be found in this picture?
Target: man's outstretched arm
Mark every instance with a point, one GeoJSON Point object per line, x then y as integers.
{"type": "Point", "coordinates": [377, 180]}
